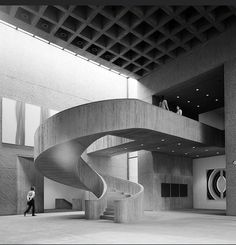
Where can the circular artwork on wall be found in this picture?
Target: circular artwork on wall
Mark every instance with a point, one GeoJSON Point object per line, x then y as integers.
{"type": "Point", "coordinates": [216, 184]}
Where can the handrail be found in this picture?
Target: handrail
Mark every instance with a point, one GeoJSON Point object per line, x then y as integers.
{"type": "Point", "coordinates": [129, 209]}
{"type": "Point", "coordinates": [95, 208]}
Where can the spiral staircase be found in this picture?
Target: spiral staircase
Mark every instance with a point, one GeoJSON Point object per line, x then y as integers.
{"type": "Point", "coordinates": [62, 140]}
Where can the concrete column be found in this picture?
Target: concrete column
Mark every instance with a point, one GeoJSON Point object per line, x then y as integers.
{"type": "Point", "coordinates": [230, 134]}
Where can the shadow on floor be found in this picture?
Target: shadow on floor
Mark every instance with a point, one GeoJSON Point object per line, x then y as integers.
{"type": "Point", "coordinates": [204, 211]}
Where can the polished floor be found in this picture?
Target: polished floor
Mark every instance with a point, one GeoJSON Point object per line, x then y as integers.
{"type": "Point", "coordinates": [156, 227]}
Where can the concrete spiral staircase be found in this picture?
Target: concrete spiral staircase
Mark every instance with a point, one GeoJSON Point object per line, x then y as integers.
{"type": "Point", "coordinates": [60, 149]}
{"type": "Point", "coordinates": [62, 140]}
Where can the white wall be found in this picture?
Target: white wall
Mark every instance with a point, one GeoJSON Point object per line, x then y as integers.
{"type": "Point", "coordinates": [37, 73]}
{"type": "Point", "coordinates": [54, 190]}
{"type": "Point", "coordinates": [214, 118]}
{"type": "Point", "coordinates": [200, 167]}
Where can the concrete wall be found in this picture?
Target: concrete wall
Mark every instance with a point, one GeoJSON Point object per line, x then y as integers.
{"type": "Point", "coordinates": [115, 166]}
{"type": "Point", "coordinates": [200, 167]}
{"type": "Point", "coordinates": [203, 58]}
{"type": "Point", "coordinates": [156, 168]}
{"type": "Point", "coordinates": [230, 134]}
{"type": "Point", "coordinates": [37, 73]}
{"type": "Point", "coordinates": [213, 118]}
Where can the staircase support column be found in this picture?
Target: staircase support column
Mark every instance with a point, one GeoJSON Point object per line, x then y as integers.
{"type": "Point", "coordinates": [230, 134]}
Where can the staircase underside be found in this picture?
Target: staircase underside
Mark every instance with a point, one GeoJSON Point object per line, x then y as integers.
{"type": "Point", "coordinates": [61, 143]}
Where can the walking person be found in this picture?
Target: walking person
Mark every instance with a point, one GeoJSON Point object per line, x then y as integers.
{"type": "Point", "coordinates": [163, 103]}
{"type": "Point", "coordinates": [30, 201]}
{"type": "Point", "coordinates": [179, 111]}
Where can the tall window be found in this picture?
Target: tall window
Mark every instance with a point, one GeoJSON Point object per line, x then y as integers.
{"type": "Point", "coordinates": [133, 166]}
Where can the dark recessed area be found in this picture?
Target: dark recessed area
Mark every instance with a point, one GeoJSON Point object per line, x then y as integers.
{"type": "Point", "coordinates": [93, 49]}
{"type": "Point", "coordinates": [79, 42]}
{"type": "Point", "coordinates": [45, 25]}
{"type": "Point", "coordinates": [24, 15]}
{"type": "Point", "coordinates": [63, 34]}
{"type": "Point", "coordinates": [198, 95]}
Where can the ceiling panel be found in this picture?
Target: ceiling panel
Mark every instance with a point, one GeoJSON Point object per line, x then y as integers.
{"type": "Point", "coordinates": [133, 40]}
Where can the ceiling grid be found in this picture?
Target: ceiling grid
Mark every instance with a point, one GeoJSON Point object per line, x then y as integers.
{"type": "Point", "coordinates": [133, 40]}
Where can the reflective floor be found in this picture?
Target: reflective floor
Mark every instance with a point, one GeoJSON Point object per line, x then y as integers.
{"type": "Point", "coordinates": [191, 226]}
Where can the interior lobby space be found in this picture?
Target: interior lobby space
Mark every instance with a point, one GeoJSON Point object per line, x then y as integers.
{"type": "Point", "coordinates": [118, 123]}
{"type": "Point", "coordinates": [176, 227]}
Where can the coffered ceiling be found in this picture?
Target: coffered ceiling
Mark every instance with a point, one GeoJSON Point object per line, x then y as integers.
{"type": "Point", "coordinates": [133, 40]}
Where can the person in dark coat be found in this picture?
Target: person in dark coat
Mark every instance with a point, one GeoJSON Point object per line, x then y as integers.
{"type": "Point", "coordinates": [30, 201]}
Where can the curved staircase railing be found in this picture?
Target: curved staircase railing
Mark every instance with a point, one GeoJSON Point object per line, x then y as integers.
{"type": "Point", "coordinates": [129, 209]}
{"type": "Point", "coordinates": [61, 141]}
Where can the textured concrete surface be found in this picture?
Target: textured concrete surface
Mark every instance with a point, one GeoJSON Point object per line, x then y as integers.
{"type": "Point", "coordinates": [156, 227]}
{"type": "Point", "coordinates": [230, 134]}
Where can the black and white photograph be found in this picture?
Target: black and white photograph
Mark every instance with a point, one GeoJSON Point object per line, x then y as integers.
{"type": "Point", "coordinates": [117, 122]}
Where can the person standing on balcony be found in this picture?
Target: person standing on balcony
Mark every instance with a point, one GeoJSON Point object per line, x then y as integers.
{"type": "Point", "coordinates": [179, 111]}
{"type": "Point", "coordinates": [163, 103]}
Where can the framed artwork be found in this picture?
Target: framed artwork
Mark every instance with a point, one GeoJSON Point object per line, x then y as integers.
{"type": "Point", "coordinates": [216, 184]}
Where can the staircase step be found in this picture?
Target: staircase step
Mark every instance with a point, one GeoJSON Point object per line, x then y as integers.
{"type": "Point", "coordinates": [112, 212]}
{"type": "Point", "coordinates": [108, 217]}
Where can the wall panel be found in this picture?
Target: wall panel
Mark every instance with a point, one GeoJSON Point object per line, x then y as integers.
{"type": "Point", "coordinates": [163, 168]}
{"type": "Point", "coordinates": [28, 176]}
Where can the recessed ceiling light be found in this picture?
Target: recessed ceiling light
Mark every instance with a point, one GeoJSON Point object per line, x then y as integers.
{"type": "Point", "coordinates": [63, 34]}
{"type": "Point", "coordinates": [172, 151]}
{"type": "Point", "coordinates": [216, 100]}
{"type": "Point", "coordinates": [141, 144]}
{"type": "Point", "coordinates": [197, 89]}
{"type": "Point", "coordinates": [178, 97]}
{"type": "Point", "coordinates": [197, 155]}
{"type": "Point", "coordinates": [194, 147]}
{"type": "Point", "coordinates": [179, 143]}
{"type": "Point", "coordinates": [25, 16]}
{"type": "Point", "coordinates": [198, 106]}
{"type": "Point", "coordinates": [206, 150]}
{"type": "Point", "coordinates": [207, 95]}
{"type": "Point", "coordinates": [186, 153]}
{"type": "Point", "coordinates": [217, 153]}
{"type": "Point", "coordinates": [188, 101]}
{"type": "Point", "coordinates": [44, 25]}
{"type": "Point", "coordinates": [158, 148]}
{"type": "Point", "coordinates": [162, 139]}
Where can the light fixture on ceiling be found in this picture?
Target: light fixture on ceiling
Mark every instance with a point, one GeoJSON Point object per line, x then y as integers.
{"type": "Point", "coordinates": [162, 140]}
{"type": "Point", "coordinates": [194, 147]}
{"type": "Point", "coordinates": [141, 144]}
{"type": "Point", "coordinates": [63, 34]}
{"type": "Point", "coordinates": [179, 143]}
{"type": "Point", "coordinates": [80, 43]}
{"type": "Point", "coordinates": [24, 16]}
{"type": "Point", "coordinates": [158, 148]}
{"type": "Point", "coordinates": [216, 100]}
{"type": "Point", "coordinates": [177, 97]}
{"type": "Point", "coordinates": [198, 106]}
{"type": "Point", "coordinates": [207, 95]}
{"type": "Point", "coordinates": [206, 150]}
{"type": "Point", "coordinates": [217, 153]}
{"type": "Point", "coordinates": [94, 50]}
{"type": "Point", "coordinates": [172, 151]}
{"type": "Point", "coordinates": [108, 56]}
{"type": "Point", "coordinates": [188, 101]}
{"type": "Point", "coordinates": [125, 148]}
{"type": "Point", "coordinates": [186, 153]}
{"type": "Point", "coordinates": [197, 155]}
{"type": "Point", "coordinates": [44, 25]}
{"type": "Point", "coordinates": [197, 89]}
